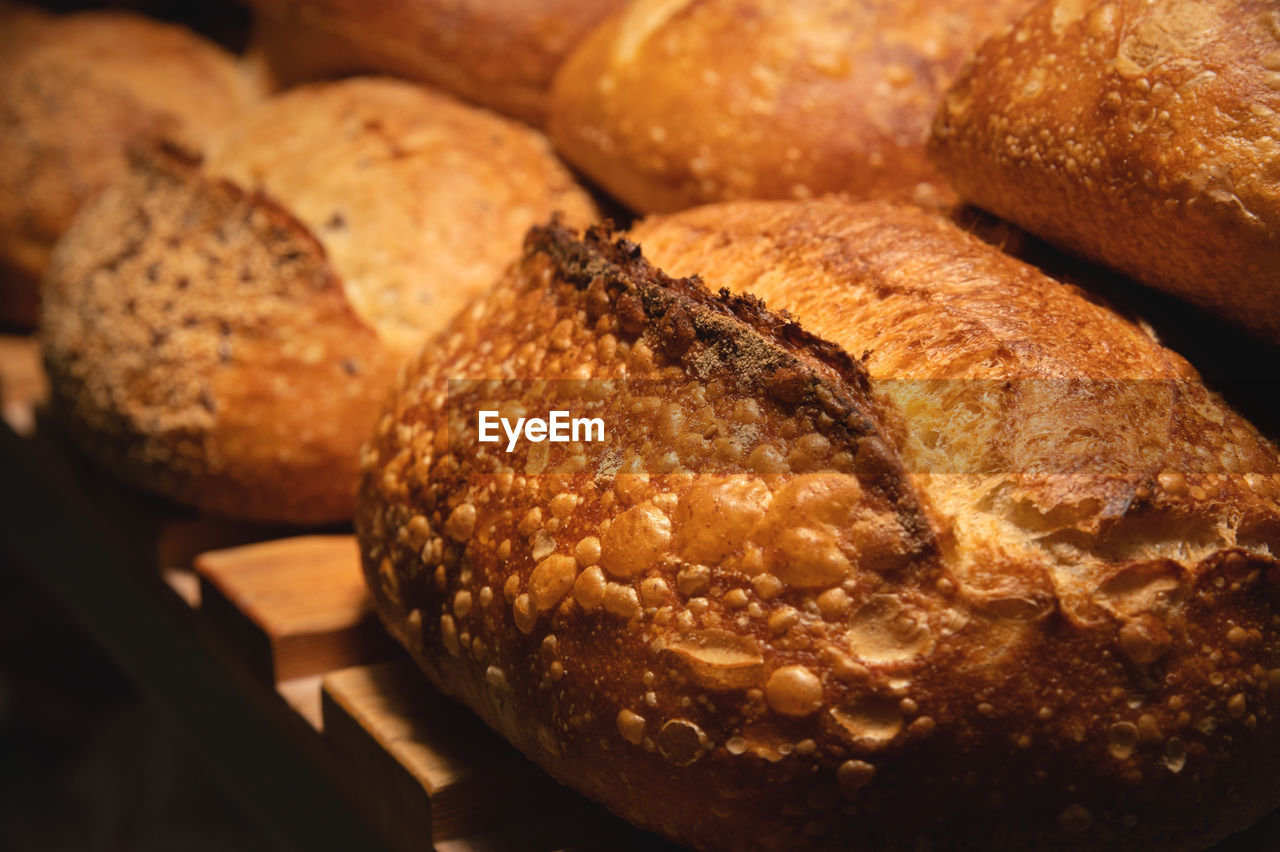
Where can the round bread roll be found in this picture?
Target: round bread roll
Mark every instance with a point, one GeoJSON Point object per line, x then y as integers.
{"type": "Point", "coordinates": [671, 104]}
{"type": "Point", "coordinates": [221, 334]}
{"type": "Point", "coordinates": [497, 53]}
{"type": "Point", "coordinates": [951, 557]}
{"type": "Point", "coordinates": [1138, 133]}
{"type": "Point", "coordinates": [75, 91]}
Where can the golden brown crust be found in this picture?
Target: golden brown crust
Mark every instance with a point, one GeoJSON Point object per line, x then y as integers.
{"type": "Point", "coordinates": [200, 345]}
{"type": "Point", "coordinates": [672, 103]}
{"type": "Point", "coordinates": [497, 53]}
{"type": "Point", "coordinates": [1139, 134]}
{"type": "Point", "coordinates": [222, 333]}
{"type": "Point", "coordinates": [751, 620]}
{"type": "Point", "coordinates": [404, 186]}
{"type": "Point", "coordinates": [75, 91]}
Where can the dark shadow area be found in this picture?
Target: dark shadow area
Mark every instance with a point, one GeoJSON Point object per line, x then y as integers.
{"type": "Point", "coordinates": [220, 20]}
{"type": "Point", "coordinates": [1243, 368]}
{"type": "Point", "coordinates": [84, 764]}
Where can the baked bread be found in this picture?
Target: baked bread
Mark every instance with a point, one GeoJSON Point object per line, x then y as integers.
{"type": "Point", "coordinates": [1004, 582]}
{"type": "Point", "coordinates": [671, 104]}
{"type": "Point", "coordinates": [1138, 133]}
{"type": "Point", "coordinates": [221, 334]}
{"type": "Point", "coordinates": [496, 53]}
{"type": "Point", "coordinates": [75, 91]}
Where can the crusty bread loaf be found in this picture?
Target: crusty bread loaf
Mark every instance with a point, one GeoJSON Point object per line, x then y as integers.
{"type": "Point", "coordinates": [74, 92]}
{"type": "Point", "coordinates": [497, 53]}
{"type": "Point", "coordinates": [221, 333]}
{"type": "Point", "coordinates": [770, 611]}
{"type": "Point", "coordinates": [671, 104]}
{"type": "Point", "coordinates": [1138, 133]}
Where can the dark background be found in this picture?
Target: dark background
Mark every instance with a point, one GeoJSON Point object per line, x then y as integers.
{"type": "Point", "coordinates": [85, 763]}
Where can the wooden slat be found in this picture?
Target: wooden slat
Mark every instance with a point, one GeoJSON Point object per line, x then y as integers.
{"type": "Point", "coordinates": [424, 754]}
{"type": "Point", "coordinates": [365, 716]}
{"type": "Point", "coordinates": [293, 607]}
{"type": "Point", "coordinates": [424, 767]}
{"type": "Point", "coordinates": [302, 694]}
{"type": "Point", "coordinates": [23, 386]}
{"type": "Point", "coordinates": [179, 542]}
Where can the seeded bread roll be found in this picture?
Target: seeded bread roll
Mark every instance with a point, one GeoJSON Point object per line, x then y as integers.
{"type": "Point", "coordinates": [75, 91]}
{"type": "Point", "coordinates": [776, 608]}
{"type": "Point", "coordinates": [222, 334]}
{"type": "Point", "coordinates": [497, 53]}
{"type": "Point", "coordinates": [1139, 133]}
{"type": "Point", "coordinates": [671, 104]}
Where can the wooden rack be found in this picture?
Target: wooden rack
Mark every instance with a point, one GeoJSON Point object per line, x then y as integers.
{"type": "Point", "coordinates": [286, 618]}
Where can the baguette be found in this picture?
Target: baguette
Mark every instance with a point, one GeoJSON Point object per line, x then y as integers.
{"type": "Point", "coordinates": [75, 91]}
{"type": "Point", "coordinates": [671, 104]}
{"type": "Point", "coordinates": [1138, 134]}
{"type": "Point", "coordinates": [497, 53]}
{"type": "Point", "coordinates": [765, 613]}
{"type": "Point", "coordinates": [221, 332]}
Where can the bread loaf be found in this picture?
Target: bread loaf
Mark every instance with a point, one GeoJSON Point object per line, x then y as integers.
{"type": "Point", "coordinates": [75, 91]}
{"type": "Point", "coordinates": [671, 104]}
{"type": "Point", "coordinates": [1138, 133]}
{"type": "Point", "coordinates": [497, 53]}
{"type": "Point", "coordinates": [221, 333]}
{"type": "Point", "coordinates": [952, 557]}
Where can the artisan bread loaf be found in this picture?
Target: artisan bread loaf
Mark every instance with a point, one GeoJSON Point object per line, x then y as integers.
{"type": "Point", "coordinates": [950, 557]}
{"type": "Point", "coordinates": [497, 53]}
{"type": "Point", "coordinates": [221, 332]}
{"type": "Point", "coordinates": [75, 91]}
{"type": "Point", "coordinates": [1138, 133]}
{"type": "Point", "coordinates": [671, 104]}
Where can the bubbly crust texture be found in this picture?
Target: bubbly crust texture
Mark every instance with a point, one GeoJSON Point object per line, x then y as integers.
{"type": "Point", "coordinates": [1138, 133]}
{"type": "Point", "coordinates": [497, 53]}
{"type": "Point", "coordinates": [673, 103]}
{"type": "Point", "coordinates": [748, 620]}
{"type": "Point", "coordinates": [75, 92]}
{"type": "Point", "coordinates": [222, 333]}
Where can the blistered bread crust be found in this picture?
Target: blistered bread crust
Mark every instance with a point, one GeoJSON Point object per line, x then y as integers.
{"type": "Point", "coordinates": [780, 649]}
{"type": "Point", "coordinates": [221, 332]}
{"type": "Point", "coordinates": [1137, 133]}
{"type": "Point", "coordinates": [496, 53]}
{"type": "Point", "coordinates": [200, 345]}
{"type": "Point", "coordinates": [671, 104]}
{"type": "Point", "coordinates": [75, 91]}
